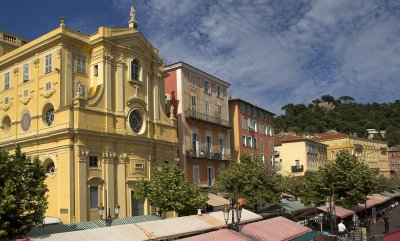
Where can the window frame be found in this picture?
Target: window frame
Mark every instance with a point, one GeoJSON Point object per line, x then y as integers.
{"type": "Point", "coordinates": [6, 81]}
{"type": "Point", "coordinates": [25, 72]}
{"type": "Point", "coordinates": [135, 75]}
{"type": "Point", "coordinates": [48, 63]}
{"type": "Point", "coordinates": [91, 161]}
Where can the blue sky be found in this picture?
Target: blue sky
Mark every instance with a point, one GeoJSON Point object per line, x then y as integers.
{"type": "Point", "coordinates": [272, 52]}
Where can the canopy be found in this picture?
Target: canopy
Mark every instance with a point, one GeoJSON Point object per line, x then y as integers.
{"type": "Point", "coordinates": [127, 232]}
{"type": "Point", "coordinates": [393, 236]}
{"type": "Point", "coordinates": [220, 235]}
{"type": "Point", "coordinates": [293, 206]}
{"type": "Point", "coordinates": [247, 216]}
{"type": "Point", "coordinates": [275, 229]}
{"type": "Point", "coordinates": [215, 200]}
{"type": "Point", "coordinates": [307, 236]}
{"type": "Point", "coordinates": [175, 227]}
{"type": "Point", "coordinates": [371, 202]}
{"type": "Point", "coordinates": [390, 194]}
{"type": "Point", "coordinates": [339, 211]}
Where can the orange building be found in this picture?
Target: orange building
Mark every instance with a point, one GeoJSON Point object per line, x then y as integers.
{"type": "Point", "coordinates": [252, 131]}
{"type": "Point", "coordinates": [199, 102]}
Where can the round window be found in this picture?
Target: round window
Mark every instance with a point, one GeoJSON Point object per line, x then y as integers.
{"type": "Point", "coordinates": [26, 121]}
{"type": "Point", "coordinates": [135, 121]}
{"type": "Point", "coordinates": [49, 117]}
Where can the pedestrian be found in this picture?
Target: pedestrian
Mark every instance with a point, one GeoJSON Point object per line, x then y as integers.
{"type": "Point", "coordinates": [342, 228]}
{"type": "Point", "coordinates": [386, 221]}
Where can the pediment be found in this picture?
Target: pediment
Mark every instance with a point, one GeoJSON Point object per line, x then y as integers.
{"type": "Point", "coordinates": [135, 41]}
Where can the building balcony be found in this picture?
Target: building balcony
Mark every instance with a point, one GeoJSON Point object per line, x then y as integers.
{"type": "Point", "coordinates": [297, 168]}
{"type": "Point", "coordinates": [208, 155]}
{"type": "Point", "coordinates": [195, 115]}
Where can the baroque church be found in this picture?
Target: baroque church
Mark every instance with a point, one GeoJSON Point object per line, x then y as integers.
{"type": "Point", "coordinates": [91, 108]}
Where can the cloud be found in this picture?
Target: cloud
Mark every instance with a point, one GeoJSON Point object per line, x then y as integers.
{"type": "Point", "coordinates": [280, 51]}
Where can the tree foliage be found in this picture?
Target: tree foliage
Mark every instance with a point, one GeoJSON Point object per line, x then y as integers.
{"type": "Point", "coordinates": [22, 194]}
{"type": "Point", "coordinates": [169, 190]}
{"type": "Point", "coordinates": [348, 179]}
{"type": "Point", "coordinates": [251, 181]}
{"type": "Point", "coordinates": [346, 116]}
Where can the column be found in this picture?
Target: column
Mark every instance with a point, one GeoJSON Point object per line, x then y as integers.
{"type": "Point", "coordinates": [108, 158]}
{"type": "Point", "coordinates": [121, 186]}
{"type": "Point", "coordinates": [82, 185]}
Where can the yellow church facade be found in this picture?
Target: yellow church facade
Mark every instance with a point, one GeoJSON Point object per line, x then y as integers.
{"type": "Point", "coordinates": [91, 108]}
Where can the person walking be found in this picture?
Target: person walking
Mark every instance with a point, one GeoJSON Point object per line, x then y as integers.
{"type": "Point", "coordinates": [342, 228]}
{"type": "Point", "coordinates": [386, 221]}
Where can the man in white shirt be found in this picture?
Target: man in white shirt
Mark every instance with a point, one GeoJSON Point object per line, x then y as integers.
{"type": "Point", "coordinates": [341, 228]}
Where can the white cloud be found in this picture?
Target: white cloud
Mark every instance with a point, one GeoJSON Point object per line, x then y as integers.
{"type": "Point", "coordinates": [277, 52]}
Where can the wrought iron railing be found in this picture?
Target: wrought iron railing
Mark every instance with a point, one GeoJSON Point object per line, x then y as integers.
{"type": "Point", "coordinates": [207, 117]}
{"type": "Point", "coordinates": [297, 168]}
{"type": "Point", "coordinates": [208, 155]}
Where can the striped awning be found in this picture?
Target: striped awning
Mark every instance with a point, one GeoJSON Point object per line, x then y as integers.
{"type": "Point", "coordinates": [127, 232]}
{"type": "Point", "coordinates": [62, 228]}
{"type": "Point", "coordinates": [339, 211]}
{"type": "Point", "coordinates": [275, 229]}
{"type": "Point", "coordinates": [220, 235]}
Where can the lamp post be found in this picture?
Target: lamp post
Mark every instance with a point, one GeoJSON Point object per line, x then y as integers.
{"type": "Point", "coordinates": [320, 219]}
{"type": "Point", "coordinates": [330, 208]}
{"type": "Point", "coordinates": [236, 209]}
{"type": "Point", "coordinates": [108, 218]}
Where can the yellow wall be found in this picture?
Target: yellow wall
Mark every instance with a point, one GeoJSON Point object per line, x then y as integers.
{"type": "Point", "coordinates": [90, 122]}
{"type": "Point", "coordinates": [372, 152]}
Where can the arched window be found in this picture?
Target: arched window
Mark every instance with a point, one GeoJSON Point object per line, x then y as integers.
{"type": "Point", "coordinates": [50, 167]}
{"type": "Point", "coordinates": [135, 70]}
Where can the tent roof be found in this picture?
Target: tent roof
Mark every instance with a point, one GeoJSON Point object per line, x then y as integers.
{"type": "Point", "coordinates": [393, 236]}
{"type": "Point", "coordinates": [62, 228]}
{"type": "Point", "coordinates": [215, 200]}
{"type": "Point", "coordinates": [247, 216]}
{"type": "Point", "coordinates": [127, 232]}
{"type": "Point", "coordinates": [371, 202]}
{"type": "Point", "coordinates": [339, 211]}
{"type": "Point", "coordinates": [275, 229]}
{"type": "Point", "coordinates": [220, 235]}
{"type": "Point", "coordinates": [167, 228]}
{"type": "Point", "coordinates": [390, 194]}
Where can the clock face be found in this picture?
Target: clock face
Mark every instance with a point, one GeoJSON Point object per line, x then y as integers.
{"type": "Point", "coordinates": [135, 121]}
{"type": "Point", "coordinates": [26, 121]}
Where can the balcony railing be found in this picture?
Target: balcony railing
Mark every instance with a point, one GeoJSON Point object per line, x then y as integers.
{"type": "Point", "coordinates": [208, 155]}
{"type": "Point", "coordinates": [205, 117]}
{"type": "Point", "coordinates": [297, 168]}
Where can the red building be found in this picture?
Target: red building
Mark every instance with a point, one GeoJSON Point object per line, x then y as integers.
{"type": "Point", "coordinates": [252, 131]}
{"type": "Point", "coordinates": [199, 102]}
{"type": "Point", "coordinates": [394, 160]}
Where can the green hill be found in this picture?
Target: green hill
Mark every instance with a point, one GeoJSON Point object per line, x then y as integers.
{"type": "Point", "coordinates": [343, 115]}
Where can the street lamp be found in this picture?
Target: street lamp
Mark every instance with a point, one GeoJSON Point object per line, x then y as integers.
{"type": "Point", "coordinates": [320, 219]}
{"type": "Point", "coordinates": [236, 209]}
{"type": "Point", "coordinates": [108, 218]}
{"type": "Point", "coordinates": [330, 208]}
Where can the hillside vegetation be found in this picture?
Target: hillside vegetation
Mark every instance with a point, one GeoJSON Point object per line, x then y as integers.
{"type": "Point", "coordinates": [342, 115]}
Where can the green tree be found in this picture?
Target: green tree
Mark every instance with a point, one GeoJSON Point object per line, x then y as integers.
{"type": "Point", "coordinates": [22, 194]}
{"type": "Point", "coordinates": [250, 180]}
{"type": "Point", "coordinates": [311, 188]}
{"type": "Point", "coordinates": [349, 179]}
{"type": "Point", "coordinates": [169, 190]}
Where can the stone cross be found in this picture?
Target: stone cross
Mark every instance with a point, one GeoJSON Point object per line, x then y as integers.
{"type": "Point", "coordinates": [137, 90]}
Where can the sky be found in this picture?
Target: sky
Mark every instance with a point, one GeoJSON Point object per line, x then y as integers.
{"type": "Point", "coordinates": [271, 52]}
